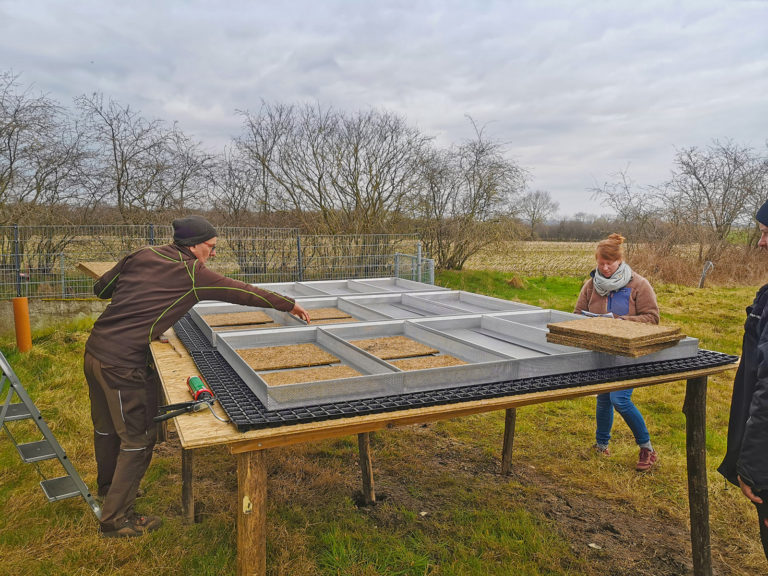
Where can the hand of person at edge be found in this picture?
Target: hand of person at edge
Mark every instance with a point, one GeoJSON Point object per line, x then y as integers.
{"type": "Point", "coordinates": [301, 313]}
{"type": "Point", "coordinates": [747, 490]}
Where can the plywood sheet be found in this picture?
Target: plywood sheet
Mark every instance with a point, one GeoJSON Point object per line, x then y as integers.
{"type": "Point", "coordinates": [237, 318]}
{"type": "Point", "coordinates": [393, 347]}
{"type": "Point", "coordinates": [424, 362]}
{"type": "Point", "coordinates": [281, 357]}
{"type": "Point", "coordinates": [308, 375]}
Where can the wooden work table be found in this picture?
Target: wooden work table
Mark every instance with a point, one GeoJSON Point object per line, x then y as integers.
{"type": "Point", "coordinates": [197, 430]}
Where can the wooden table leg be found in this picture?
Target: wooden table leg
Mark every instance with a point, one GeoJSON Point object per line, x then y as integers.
{"type": "Point", "coordinates": [364, 448]}
{"type": "Point", "coordinates": [252, 513]}
{"type": "Point", "coordinates": [509, 438]}
{"type": "Point", "coordinates": [695, 410]}
{"type": "Point", "coordinates": [187, 487]}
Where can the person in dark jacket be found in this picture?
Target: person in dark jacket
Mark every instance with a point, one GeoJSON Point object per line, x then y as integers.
{"type": "Point", "coordinates": [746, 457]}
{"type": "Point", "coordinates": [151, 289]}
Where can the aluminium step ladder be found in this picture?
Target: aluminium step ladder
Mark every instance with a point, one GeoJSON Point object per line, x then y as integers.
{"type": "Point", "coordinates": [68, 486]}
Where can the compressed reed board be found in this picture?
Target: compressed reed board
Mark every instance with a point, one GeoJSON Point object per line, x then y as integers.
{"type": "Point", "coordinates": [632, 352]}
{"type": "Point", "coordinates": [302, 375]}
{"type": "Point", "coordinates": [286, 356]}
{"type": "Point", "coordinates": [390, 347]}
{"type": "Point", "coordinates": [615, 331]}
{"type": "Point", "coordinates": [251, 316]}
{"type": "Point", "coordinates": [424, 362]}
{"type": "Point", "coordinates": [614, 336]}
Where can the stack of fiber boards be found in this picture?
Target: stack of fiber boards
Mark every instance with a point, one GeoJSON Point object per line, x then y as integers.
{"type": "Point", "coordinates": [614, 336]}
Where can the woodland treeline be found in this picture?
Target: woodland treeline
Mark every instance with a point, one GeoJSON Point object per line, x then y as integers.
{"type": "Point", "coordinates": [328, 171]}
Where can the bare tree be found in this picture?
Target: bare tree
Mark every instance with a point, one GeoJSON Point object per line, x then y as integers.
{"type": "Point", "coordinates": [235, 187]}
{"type": "Point", "coordinates": [338, 172]}
{"type": "Point", "coordinates": [636, 208]}
{"type": "Point", "coordinates": [536, 207]}
{"type": "Point", "coordinates": [466, 193]}
{"type": "Point", "coordinates": [39, 153]}
{"type": "Point", "coordinates": [128, 157]}
{"type": "Point", "coordinates": [716, 188]}
{"type": "Point", "coordinates": [187, 171]}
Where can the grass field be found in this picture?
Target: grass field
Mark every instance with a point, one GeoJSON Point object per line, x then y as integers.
{"type": "Point", "coordinates": [443, 507]}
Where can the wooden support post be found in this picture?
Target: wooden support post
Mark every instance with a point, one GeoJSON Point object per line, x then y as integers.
{"type": "Point", "coordinates": [364, 448]}
{"type": "Point", "coordinates": [252, 513]}
{"type": "Point", "coordinates": [509, 439]}
{"type": "Point", "coordinates": [187, 487]}
{"type": "Point", "coordinates": [695, 410]}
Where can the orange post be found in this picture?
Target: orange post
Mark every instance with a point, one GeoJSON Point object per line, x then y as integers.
{"type": "Point", "coordinates": [21, 319]}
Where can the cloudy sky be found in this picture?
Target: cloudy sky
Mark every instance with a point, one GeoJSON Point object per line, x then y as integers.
{"type": "Point", "coordinates": [576, 90]}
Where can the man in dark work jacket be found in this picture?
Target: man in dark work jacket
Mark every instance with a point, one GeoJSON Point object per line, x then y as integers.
{"type": "Point", "coordinates": [746, 459]}
{"type": "Point", "coordinates": [151, 289]}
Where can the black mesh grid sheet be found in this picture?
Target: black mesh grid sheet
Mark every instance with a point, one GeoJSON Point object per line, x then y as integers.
{"type": "Point", "coordinates": [248, 413]}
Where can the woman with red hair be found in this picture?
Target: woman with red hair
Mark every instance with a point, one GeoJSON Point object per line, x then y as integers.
{"type": "Point", "coordinates": [614, 289]}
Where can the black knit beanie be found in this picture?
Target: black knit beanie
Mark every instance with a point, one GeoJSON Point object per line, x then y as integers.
{"type": "Point", "coordinates": [762, 214]}
{"type": "Point", "coordinates": [192, 230]}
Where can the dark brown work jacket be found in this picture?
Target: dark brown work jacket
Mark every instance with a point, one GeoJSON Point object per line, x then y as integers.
{"type": "Point", "coordinates": [151, 289]}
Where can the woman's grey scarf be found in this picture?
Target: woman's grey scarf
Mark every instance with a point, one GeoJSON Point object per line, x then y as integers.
{"type": "Point", "coordinates": [618, 280]}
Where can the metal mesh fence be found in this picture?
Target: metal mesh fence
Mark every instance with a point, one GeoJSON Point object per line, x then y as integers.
{"type": "Point", "coordinates": [40, 261]}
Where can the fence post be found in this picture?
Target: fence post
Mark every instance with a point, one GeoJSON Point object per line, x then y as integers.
{"type": "Point", "coordinates": [151, 234]}
{"type": "Point", "coordinates": [63, 277]}
{"type": "Point", "coordinates": [708, 265]}
{"type": "Point", "coordinates": [418, 261]}
{"type": "Point", "coordinates": [300, 268]}
{"type": "Point", "coordinates": [397, 265]}
{"type": "Point", "coordinates": [17, 258]}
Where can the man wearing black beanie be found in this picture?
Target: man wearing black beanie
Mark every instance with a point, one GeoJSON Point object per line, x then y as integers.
{"type": "Point", "coordinates": [746, 459]}
{"type": "Point", "coordinates": [151, 289]}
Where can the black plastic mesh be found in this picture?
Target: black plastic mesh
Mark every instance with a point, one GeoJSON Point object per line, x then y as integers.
{"type": "Point", "coordinates": [248, 413]}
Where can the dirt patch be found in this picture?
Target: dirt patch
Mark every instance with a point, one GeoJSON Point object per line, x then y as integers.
{"type": "Point", "coordinates": [615, 539]}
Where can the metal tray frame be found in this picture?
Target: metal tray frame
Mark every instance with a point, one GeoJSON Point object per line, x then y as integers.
{"type": "Point", "coordinates": [380, 377]}
{"type": "Point", "coordinates": [369, 307]}
{"type": "Point", "coordinates": [381, 285]}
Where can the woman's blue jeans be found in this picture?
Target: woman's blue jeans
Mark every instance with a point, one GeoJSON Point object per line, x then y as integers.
{"type": "Point", "coordinates": [622, 401]}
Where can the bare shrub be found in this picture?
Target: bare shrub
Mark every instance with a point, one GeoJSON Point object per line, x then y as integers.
{"type": "Point", "coordinates": [735, 266]}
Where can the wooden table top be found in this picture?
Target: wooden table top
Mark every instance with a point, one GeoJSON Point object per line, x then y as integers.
{"type": "Point", "coordinates": [200, 429]}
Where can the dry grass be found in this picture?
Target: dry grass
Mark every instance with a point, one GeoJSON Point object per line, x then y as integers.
{"type": "Point", "coordinates": [443, 508]}
{"type": "Point", "coordinates": [681, 265]}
